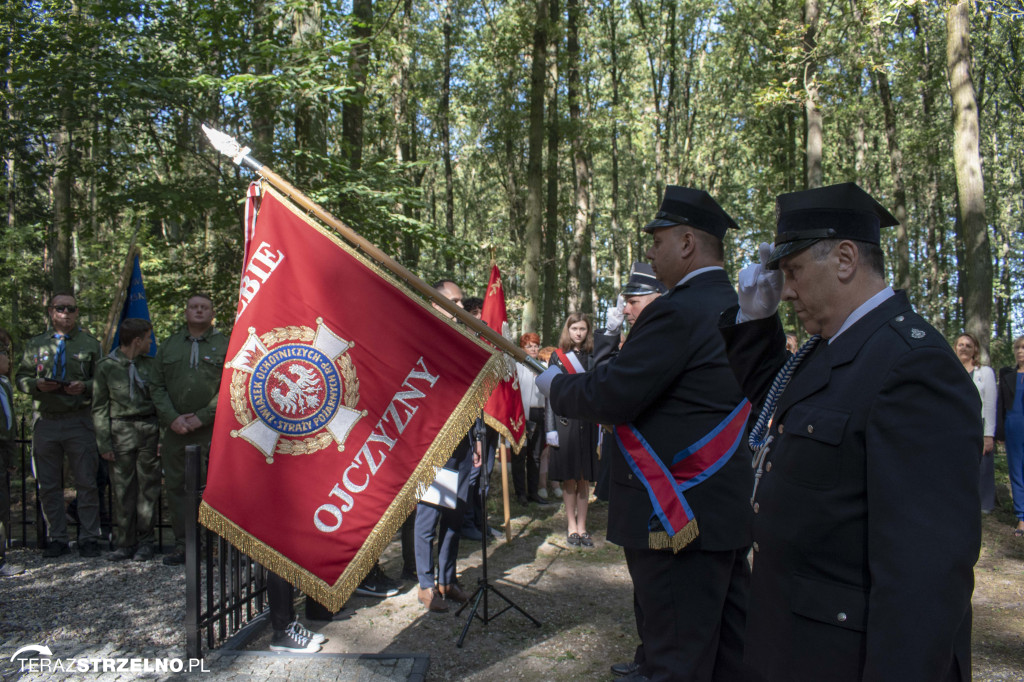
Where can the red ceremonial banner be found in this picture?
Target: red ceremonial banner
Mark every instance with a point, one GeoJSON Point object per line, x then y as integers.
{"type": "Point", "coordinates": [504, 409]}
{"type": "Point", "coordinates": [342, 391]}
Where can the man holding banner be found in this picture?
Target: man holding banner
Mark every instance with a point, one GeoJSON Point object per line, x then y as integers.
{"type": "Point", "coordinates": [681, 476]}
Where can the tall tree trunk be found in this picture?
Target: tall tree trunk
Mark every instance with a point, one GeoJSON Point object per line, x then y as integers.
{"type": "Point", "coordinates": [535, 171]}
{"type": "Point", "coordinates": [552, 301]}
{"type": "Point", "coordinates": [310, 115]}
{"type": "Point", "coordinates": [811, 110]}
{"type": "Point", "coordinates": [446, 135]}
{"type": "Point", "coordinates": [264, 101]}
{"type": "Point", "coordinates": [403, 130]}
{"type": "Point", "coordinates": [614, 65]}
{"type": "Point", "coordinates": [579, 261]}
{"type": "Point", "coordinates": [63, 220]}
{"type": "Point", "coordinates": [977, 268]}
{"type": "Point", "coordinates": [358, 63]}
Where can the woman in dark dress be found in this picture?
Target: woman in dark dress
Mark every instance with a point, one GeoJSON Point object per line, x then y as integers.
{"type": "Point", "coordinates": [574, 441]}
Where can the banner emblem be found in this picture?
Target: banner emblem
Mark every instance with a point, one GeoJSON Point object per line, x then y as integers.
{"type": "Point", "coordinates": [294, 390]}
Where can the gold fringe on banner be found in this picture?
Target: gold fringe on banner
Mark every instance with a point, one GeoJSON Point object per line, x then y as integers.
{"type": "Point", "coordinates": [505, 432]}
{"type": "Point", "coordinates": [661, 540]}
{"type": "Point", "coordinates": [451, 434]}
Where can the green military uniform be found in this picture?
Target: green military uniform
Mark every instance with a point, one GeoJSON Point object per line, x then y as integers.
{"type": "Point", "coordinates": [186, 380]}
{"type": "Point", "coordinates": [7, 433]}
{"type": "Point", "coordinates": [126, 424]}
{"type": "Point", "coordinates": [64, 427]}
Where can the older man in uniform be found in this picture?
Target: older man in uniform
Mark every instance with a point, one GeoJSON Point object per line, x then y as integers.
{"type": "Point", "coordinates": [57, 370]}
{"type": "Point", "coordinates": [680, 474]}
{"type": "Point", "coordinates": [185, 385]}
{"type": "Point", "coordinates": [127, 434]}
{"type": "Point", "coordinates": [866, 525]}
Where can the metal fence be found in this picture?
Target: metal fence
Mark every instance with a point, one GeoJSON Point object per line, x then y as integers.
{"type": "Point", "coordinates": [224, 589]}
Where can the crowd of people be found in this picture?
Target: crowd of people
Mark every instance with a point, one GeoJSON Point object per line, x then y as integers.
{"type": "Point", "coordinates": [786, 511]}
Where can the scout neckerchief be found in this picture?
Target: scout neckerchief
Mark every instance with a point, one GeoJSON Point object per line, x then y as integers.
{"type": "Point", "coordinates": [8, 417]}
{"type": "Point", "coordinates": [759, 438]}
{"type": "Point", "coordinates": [60, 361]}
{"type": "Point", "coordinates": [133, 376]}
{"type": "Point", "coordinates": [665, 484]}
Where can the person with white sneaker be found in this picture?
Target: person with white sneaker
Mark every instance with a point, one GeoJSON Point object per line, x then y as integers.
{"type": "Point", "coordinates": [289, 634]}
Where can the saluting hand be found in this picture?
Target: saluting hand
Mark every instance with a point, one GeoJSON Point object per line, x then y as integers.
{"type": "Point", "coordinates": [613, 320]}
{"type": "Point", "coordinates": [759, 289]}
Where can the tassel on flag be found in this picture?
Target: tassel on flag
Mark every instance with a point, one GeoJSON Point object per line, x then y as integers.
{"type": "Point", "coordinates": [504, 409]}
{"type": "Point", "coordinates": [341, 393]}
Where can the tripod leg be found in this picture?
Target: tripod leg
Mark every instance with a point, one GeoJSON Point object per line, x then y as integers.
{"type": "Point", "coordinates": [480, 591]}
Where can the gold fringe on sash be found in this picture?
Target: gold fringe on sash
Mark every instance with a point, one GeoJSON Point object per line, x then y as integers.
{"type": "Point", "coordinates": [661, 540]}
{"type": "Point", "coordinates": [451, 434]}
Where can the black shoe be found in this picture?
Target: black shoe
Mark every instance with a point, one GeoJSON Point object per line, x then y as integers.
{"type": "Point", "coordinates": [143, 553]}
{"type": "Point", "coordinates": [523, 500]}
{"type": "Point", "coordinates": [471, 533]}
{"type": "Point", "coordinates": [586, 540]}
{"type": "Point", "coordinates": [625, 668]}
{"type": "Point", "coordinates": [55, 548]}
{"type": "Point", "coordinates": [376, 584]}
{"type": "Point", "coordinates": [574, 539]}
{"type": "Point", "coordinates": [539, 501]}
{"type": "Point", "coordinates": [176, 559]}
{"type": "Point", "coordinates": [121, 554]}
{"type": "Point", "coordinates": [408, 575]}
{"type": "Point", "coordinates": [89, 549]}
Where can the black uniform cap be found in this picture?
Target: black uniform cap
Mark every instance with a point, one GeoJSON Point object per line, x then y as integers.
{"type": "Point", "coordinates": [835, 212]}
{"type": "Point", "coordinates": [642, 281]}
{"type": "Point", "coordinates": [694, 207]}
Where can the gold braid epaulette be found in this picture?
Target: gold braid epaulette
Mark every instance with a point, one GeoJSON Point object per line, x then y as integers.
{"type": "Point", "coordinates": [661, 540]}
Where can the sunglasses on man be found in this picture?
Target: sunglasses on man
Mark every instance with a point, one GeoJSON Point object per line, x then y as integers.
{"type": "Point", "coordinates": [66, 308]}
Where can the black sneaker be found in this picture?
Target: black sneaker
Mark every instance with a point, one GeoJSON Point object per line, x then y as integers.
{"type": "Point", "coordinates": [8, 570]}
{"type": "Point", "coordinates": [293, 642]}
{"type": "Point", "coordinates": [297, 628]}
{"type": "Point", "coordinates": [176, 559]}
{"type": "Point", "coordinates": [89, 549]}
{"type": "Point", "coordinates": [376, 584]}
{"type": "Point", "coordinates": [55, 548]}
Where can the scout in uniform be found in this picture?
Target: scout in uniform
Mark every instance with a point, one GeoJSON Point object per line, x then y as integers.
{"type": "Point", "coordinates": [6, 453]}
{"type": "Point", "coordinates": [57, 370]}
{"type": "Point", "coordinates": [185, 385]}
{"type": "Point", "coordinates": [127, 435]}
{"type": "Point", "coordinates": [866, 524]}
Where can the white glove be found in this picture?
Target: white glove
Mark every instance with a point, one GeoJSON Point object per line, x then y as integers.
{"type": "Point", "coordinates": [614, 317]}
{"type": "Point", "coordinates": [551, 439]}
{"type": "Point", "coordinates": [759, 288]}
{"type": "Point", "coordinates": [544, 379]}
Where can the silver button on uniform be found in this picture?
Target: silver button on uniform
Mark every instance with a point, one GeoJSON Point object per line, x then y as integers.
{"type": "Point", "coordinates": [810, 428]}
{"type": "Point", "coordinates": [841, 617]}
{"type": "Point", "coordinates": [768, 466]}
{"type": "Point", "coordinates": [780, 428]}
{"type": "Point", "coordinates": [757, 507]}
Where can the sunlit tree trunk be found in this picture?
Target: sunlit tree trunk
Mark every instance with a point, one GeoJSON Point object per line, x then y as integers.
{"type": "Point", "coordinates": [811, 107]}
{"type": "Point", "coordinates": [553, 304]}
{"type": "Point", "coordinates": [535, 171]}
{"type": "Point", "coordinates": [579, 262]}
{"type": "Point", "coordinates": [358, 62]}
{"type": "Point", "coordinates": [977, 267]}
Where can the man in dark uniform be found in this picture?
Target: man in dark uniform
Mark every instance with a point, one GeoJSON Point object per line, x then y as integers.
{"type": "Point", "coordinates": [866, 524]}
{"type": "Point", "coordinates": [57, 370]}
{"type": "Point", "coordinates": [680, 475]}
{"type": "Point", "coordinates": [189, 364]}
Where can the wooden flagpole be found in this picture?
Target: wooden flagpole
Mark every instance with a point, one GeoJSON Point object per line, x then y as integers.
{"type": "Point", "coordinates": [228, 146]}
{"type": "Point", "coordinates": [122, 290]}
{"type": "Point", "coordinates": [503, 452]}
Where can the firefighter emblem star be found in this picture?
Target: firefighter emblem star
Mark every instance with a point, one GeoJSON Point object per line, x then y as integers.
{"type": "Point", "coordinates": [294, 390]}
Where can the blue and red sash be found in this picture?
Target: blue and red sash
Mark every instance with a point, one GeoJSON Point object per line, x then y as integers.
{"type": "Point", "coordinates": [666, 484]}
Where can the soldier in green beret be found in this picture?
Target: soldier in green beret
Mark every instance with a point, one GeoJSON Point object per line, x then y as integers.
{"type": "Point", "coordinates": [185, 385]}
{"type": "Point", "coordinates": [127, 435]}
{"type": "Point", "coordinates": [57, 370]}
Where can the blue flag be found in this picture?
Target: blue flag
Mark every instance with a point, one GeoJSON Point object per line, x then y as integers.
{"type": "Point", "coordinates": [135, 305]}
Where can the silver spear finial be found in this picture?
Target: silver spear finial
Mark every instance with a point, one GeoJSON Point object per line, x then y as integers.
{"type": "Point", "coordinates": [226, 145]}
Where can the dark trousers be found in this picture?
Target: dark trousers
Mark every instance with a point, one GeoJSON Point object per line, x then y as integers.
{"type": "Point", "coordinates": [691, 608]}
{"type": "Point", "coordinates": [526, 464]}
{"type": "Point", "coordinates": [445, 524]}
{"type": "Point", "coordinates": [279, 596]}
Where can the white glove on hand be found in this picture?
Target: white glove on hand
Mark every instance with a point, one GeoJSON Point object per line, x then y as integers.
{"type": "Point", "coordinates": [544, 379]}
{"type": "Point", "coordinates": [551, 439]}
{"type": "Point", "coordinates": [759, 289]}
{"type": "Point", "coordinates": [615, 317]}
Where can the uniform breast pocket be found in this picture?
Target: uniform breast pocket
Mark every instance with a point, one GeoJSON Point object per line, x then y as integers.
{"type": "Point", "coordinates": [811, 455]}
